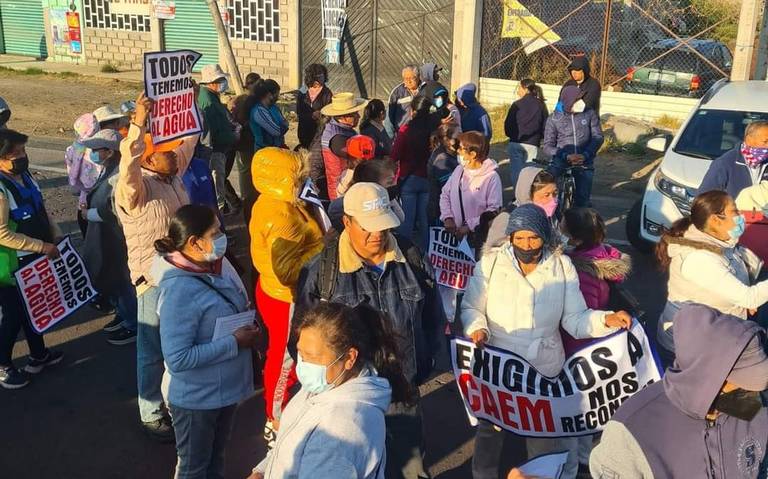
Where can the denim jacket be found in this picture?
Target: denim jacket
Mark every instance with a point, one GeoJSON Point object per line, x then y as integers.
{"type": "Point", "coordinates": [415, 309]}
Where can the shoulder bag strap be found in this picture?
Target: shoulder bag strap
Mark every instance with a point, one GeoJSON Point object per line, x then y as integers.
{"type": "Point", "coordinates": [461, 201]}
{"type": "Point", "coordinates": [222, 295]}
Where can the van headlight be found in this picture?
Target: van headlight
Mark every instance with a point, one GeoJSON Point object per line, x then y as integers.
{"type": "Point", "coordinates": [681, 195]}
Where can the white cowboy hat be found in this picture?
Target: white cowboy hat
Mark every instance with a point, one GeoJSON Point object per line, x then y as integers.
{"type": "Point", "coordinates": [344, 104]}
{"type": "Point", "coordinates": [212, 73]}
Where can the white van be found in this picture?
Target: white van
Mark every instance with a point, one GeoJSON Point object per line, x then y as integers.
{"type": "Point", "coordinates": [714, 127]}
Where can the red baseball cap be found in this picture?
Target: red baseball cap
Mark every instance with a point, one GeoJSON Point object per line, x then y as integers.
{"type": "Point", "coordinates": [361, 147]}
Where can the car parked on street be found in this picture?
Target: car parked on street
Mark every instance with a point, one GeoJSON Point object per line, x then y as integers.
{"type": "Point", "coordinates": [676, 70]}
{"type": "Point", "coordinates": [714, 127]}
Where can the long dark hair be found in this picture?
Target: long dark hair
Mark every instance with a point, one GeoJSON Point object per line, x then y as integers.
{"type": "Point", "coordinates": [189, 220]}
{"type": "Point", "coordinates": [373, 109]}
{"type": "Point", "coordinates": [585, 225]}
{"type": "Point", "coordinates": [367, 330]}
{"type": "Point", "coordinates": [533, 88]}
{"type": "Point", "coordinates": [373, 171]}
{"type": "Point", "coordinates": [423, 123]}
{"type": "Point", "coordinates": [705, 205]}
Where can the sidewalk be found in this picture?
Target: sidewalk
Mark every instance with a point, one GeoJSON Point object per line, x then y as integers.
{"type": "Point", "coordinates": [16, 62]}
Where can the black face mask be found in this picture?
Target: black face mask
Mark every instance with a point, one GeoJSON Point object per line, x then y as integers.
{"type": "Point", "coordinates": [20, 165]}
{"type": "Point", "coordinates": [527, 256]}
{"type": "Point", "coordinates": [393, 192]}
{"type": "Point", "coordinates": [739, 403]}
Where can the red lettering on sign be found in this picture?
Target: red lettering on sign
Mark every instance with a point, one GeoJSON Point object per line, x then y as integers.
{"type": "Point", "coordinates": [542, 409]}
{"type": "Point", "coordinates": [489, 402]}
{"type": "Point", "coordinates": [466, 381]}
{"type": "Point", "coordinates": [43, 321]}
{"type": "Point", "coordinates": [507, 408]}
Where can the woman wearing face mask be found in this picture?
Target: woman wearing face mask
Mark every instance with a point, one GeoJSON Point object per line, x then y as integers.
{"type": "Point", "coordinates": [524, 126]}
{"type": "Point", "coordinates": [707, 266]}
{"type": "Point", "coordinates": [310, 100]}
{"type": "Point", "coordinates": [205, 378]}
{"type": "Point", "coordinates": [267, 122]}
{"type": "Point", "coordinates": [572, 137]}
{"type": "Point", "coordinates": [26, 231]}
{"type": "Point", "coordinates": [372, 125]}
{"type": "Point", "coordinates": [469, 200]}
{"type": "Point", "coordinates": [105, 253]}
{"type": "Point", "coordinates": [349, 369]}
{"type": "Point", "coordinates": [521, 292]}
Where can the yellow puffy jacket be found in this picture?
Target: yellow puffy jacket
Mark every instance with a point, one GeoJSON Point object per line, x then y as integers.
{"type": "Point", "coordinates": [284, 235]}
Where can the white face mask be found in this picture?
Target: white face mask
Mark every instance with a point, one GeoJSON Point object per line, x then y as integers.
{"type": "Point", "coordinates": [462, 161]}
{"type": "Point", "coordinates": [579, 106]}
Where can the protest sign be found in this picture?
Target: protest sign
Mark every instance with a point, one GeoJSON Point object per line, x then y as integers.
{"type": "Point", "coordinates": [168, 81]}
{"type": "Point", "coordinates": [310, 194]}
{"type": "Point", "coordinates": [334, 19]}
{"type": "Point", "coordinates": [503, 388]}
{"type": "Point", "coordinates": [448, 256]}
{"type": "Point", "coordinates": [54, 288]}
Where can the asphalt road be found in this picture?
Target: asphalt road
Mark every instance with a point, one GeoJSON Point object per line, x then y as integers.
{"type": "Point", "coordinates": [79, 419]}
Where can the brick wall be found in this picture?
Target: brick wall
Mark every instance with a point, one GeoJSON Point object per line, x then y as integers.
{"type": "Point", "coordinates": [121, 48]}
{"type": "Point", "coordinates": [270, 60]}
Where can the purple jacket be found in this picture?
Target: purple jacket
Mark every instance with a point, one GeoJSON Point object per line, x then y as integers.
{"type": "Point", "coordinates": [596, 267]}
{"type": "Point", "coordinates": [666, 422]}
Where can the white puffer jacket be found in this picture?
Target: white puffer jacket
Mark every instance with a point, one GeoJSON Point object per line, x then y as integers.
{"type": "Point", "coordinates": [522, 314]}
{"type": "Point", "coordinates": [715, 273]}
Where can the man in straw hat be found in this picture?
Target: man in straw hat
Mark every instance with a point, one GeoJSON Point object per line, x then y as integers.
{"type": "Point", "coordinates": [149, 191]}
{"type": "Point", "coordinates": [344, 111]}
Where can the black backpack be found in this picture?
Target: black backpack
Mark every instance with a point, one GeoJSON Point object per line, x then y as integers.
{"type": "Point", "coordinates": [328, 271]}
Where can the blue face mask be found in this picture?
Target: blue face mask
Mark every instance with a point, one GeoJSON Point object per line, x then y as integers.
{"type": "Point", "coordinates": [313, 376]}
{"type": "Point", "coordinates": [738, 230]}
{"type": "Point", "coordinates": [95, 157]}
{"type": "Point", "coordinates": [439, 102]}
{"type": "Point", "coordinates": [219, 248]}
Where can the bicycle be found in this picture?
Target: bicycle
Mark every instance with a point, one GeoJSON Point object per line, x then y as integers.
{"type": "Point", "coordinates": [566, 185]}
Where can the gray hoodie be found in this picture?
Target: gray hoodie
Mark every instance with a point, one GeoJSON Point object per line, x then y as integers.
{"type": "Point", "coordinates": [662, 431]}
{"type": "Point", "coordinates": [338, 434]}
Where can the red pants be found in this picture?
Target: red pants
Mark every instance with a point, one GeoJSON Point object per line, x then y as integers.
{"type": "Point", "coordinates": [279, 369]}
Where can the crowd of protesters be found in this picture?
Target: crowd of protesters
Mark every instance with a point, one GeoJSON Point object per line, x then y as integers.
{"type": "Point", "coordinates": [348, 319]}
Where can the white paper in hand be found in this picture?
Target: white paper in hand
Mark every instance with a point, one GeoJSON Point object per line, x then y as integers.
{"type": "Point", "coordinates": [547, 466]}
{"type": "Point", "coordinates": [227, 325]}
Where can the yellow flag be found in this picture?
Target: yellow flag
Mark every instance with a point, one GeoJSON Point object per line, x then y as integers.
{"type": "Point", "coordinates": [521, 23]}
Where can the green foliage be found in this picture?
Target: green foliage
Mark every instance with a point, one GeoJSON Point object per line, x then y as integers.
{"type": "Point", "coordinates": [705, 13]}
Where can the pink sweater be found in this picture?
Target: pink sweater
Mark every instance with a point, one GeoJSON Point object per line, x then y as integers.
{"type": "Point", "coordinates": [481, 192]}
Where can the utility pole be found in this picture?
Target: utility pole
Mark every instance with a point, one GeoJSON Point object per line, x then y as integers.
{"type": "Point", "coordinates": [229, 55]}
{"type": "Point", "coordinates": [745, 40]}
{"type": "Point", "coordinates": [761, 69]}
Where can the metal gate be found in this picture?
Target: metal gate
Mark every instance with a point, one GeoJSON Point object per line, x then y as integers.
{"type": "Point", "coordinates": [193, 29]}
{"type": "Point", "coordinates": [381, 37]}
{"type": "Point", "coordinates": [23, 28]}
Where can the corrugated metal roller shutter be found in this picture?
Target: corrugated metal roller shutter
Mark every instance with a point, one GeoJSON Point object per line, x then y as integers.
{"type": "Point", "coordinates": [23, 27]}
{"type": "Point", "coordinates": [193, 29]}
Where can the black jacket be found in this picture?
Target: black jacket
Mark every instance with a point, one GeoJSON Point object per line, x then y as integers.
{"type": "Point", "coordinates": [525, 120]}
{"type": "Point", "coordinates": [591, 87]}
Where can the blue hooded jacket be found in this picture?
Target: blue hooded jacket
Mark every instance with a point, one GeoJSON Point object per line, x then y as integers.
{"type": "Point", "coordinates": [473, 115]}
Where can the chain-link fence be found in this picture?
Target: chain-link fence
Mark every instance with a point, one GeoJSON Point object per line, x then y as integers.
{"type": "Point", "coordinates": [667, 47]}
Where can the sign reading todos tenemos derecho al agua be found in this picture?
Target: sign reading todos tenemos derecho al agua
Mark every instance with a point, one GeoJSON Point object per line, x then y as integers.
{"type": "Point", "coordinates": [168, 81]}
{"type": "Point", "coordinates": [54, 288]}
{"type": "Point", "coordinates": [451, 259]}
{"type": "Point", "coordinates": [503, 388]}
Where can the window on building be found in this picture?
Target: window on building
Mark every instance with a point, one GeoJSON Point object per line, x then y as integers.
{"type": "Point", "coordinates": [97, 16]}
{"type": "Point", "coordinates": [256, 20]}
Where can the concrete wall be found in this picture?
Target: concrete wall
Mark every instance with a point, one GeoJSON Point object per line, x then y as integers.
{"type": "Point", "coordinates": [121, 48]}
{"type": "Point", "coordinates": [271, 60]}
{"type": "Point", "coordinates": [495, 92]}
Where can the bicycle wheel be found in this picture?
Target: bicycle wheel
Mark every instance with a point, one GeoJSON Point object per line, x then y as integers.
{"type": "Point", "coordinates": [566, 192]}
